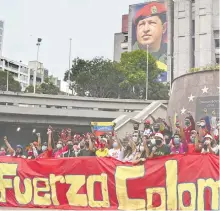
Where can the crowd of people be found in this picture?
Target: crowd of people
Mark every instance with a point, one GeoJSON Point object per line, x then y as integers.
{"type": "Point", "coordinates": [157, 139]}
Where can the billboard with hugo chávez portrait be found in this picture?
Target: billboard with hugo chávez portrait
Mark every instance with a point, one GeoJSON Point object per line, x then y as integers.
{"type": "Point", "coordinates": [149, 31]}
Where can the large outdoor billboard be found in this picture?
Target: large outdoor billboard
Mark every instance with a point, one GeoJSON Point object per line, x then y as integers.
{"type": "Point", "coordinates": [149, 31]}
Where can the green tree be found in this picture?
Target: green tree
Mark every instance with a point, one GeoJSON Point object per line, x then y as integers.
{"type": "Point", "coordinates": [13, 85]}
{"type": "Point", "coordinates": [133, 66]}
{"type": "Point", "coordinates": [47, 87]}
{"type": "Point", "coordinates": [96, 78]}
{"type": "Point", "coordinates": [127, 79]}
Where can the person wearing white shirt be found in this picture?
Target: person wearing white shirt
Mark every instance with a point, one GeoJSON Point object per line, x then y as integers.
{"type": "Point", "coordinates": [116, 151]}
{"type": "Point", "coordinates": [210, 145]}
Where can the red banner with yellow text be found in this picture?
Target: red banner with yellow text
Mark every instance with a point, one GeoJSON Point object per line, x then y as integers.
{"type": "Point", "coordinates": [176, 182]}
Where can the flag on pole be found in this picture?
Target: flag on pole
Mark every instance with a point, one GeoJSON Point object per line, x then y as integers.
{"type": "Point", "coordinates": [100, 128]}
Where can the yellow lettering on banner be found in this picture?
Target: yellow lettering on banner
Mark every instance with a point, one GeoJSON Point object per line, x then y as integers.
{"type": "Point", "coordinates": [103, 178]}
{"type": "Point", "coordinates": [213, 185]}
{"type": "Point", "coordinates": [53, 180]}
{"type": "Point", "coordinates": [191, 188]}
{"type": "Point", "coordinates": [26, 197]}
{"type": "Point", "coordinates": [171, 184]}
{"type": "Point", "coordinates": [76, 182]}
{"type": "Point", "coordinates": [6, 170]}
{"type": "Point", "coordinates": [161, 192]}
{"type": "Point", "coordinates": [41, 200]}
{"type": "Point", "coordinates": [122, 174]}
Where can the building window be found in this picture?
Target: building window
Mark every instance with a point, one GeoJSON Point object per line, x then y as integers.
{"type": "Point", "coordinates": [193, 27]}
{"type": "Point", "coordinates": [1, 24]}
{"type": "Point", "coordinates": [193, 47]}
{"type": "Point", "coordinates": [217, 43]}
{"type": "Point", "coordinates": [126, 39]}
{"type": "Point", "coordinates": [217, 60]}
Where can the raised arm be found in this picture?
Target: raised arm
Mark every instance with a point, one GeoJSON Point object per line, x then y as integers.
{"type": "Point", "coordinates": [38, 141]}
{"type": "Point", "coordinates": [192, 121]}
{"type": "Point", "coordinates": [146, 147]}
{"type": "Point", "coordinates": [35, 153]}
{"type": "Point", "coordinates": [170, 123]}
{"type": "Point", "coordinates": [91, 146]}
{"type": "Point", "coordinates": [49, 147]}
{"type": "Point", "coordinates": [11, 150]}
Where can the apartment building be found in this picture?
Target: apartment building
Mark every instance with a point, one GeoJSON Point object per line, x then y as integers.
{"type": "Point", "coordinates": [1, 35]}
{"type": "Point", "coordinates": [192, 35]}
{"type": "Point", "coordinates": [121, 39]}
{"type": "Point", "coordinates": [20, 71]}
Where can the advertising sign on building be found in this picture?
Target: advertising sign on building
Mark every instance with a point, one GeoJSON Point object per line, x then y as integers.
{"type": "Point", "coordinates": [149, 31]}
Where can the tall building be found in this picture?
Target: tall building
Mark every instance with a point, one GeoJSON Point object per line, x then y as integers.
{"type": "Point", "coordinates": [24, 74]}
{"type": "Point", "coordinates": [33, 65]}
{"type": "Point", "coordinates": [121, 39]}
{"type": "Point", "coordinates": [56, 81]}
{"type": "Point", "coordinates": [1, 35]}
{"type": "Point", "coordinates": [192, 35]}
{"type": "Point", "coordinates": [19, 71]}
{"type": "Point", "coordinates": [196, 34]}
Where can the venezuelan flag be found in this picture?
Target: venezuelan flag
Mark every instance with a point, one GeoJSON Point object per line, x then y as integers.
{"type": "Point", "coordinates": [161, 65]}
{"type": "Point", "coordinates": [100, 128]}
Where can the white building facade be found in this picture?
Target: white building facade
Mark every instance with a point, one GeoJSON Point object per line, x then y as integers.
{"type": "Point", "coordinates": [193, 36]}
{"type": "Point", "coordinates": [1, 35]}
{"type": "Point", "coordinates": [20, 71]}
{"type": "Point", "coordinates": [196, 35]}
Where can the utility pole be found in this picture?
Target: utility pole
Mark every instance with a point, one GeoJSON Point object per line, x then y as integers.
{"type": "Point", "coordinates": [147, 71]}
{"type": "Point", "coordinates": [35, 72]}
{"type": "Point", "coordinates": [70, 52]}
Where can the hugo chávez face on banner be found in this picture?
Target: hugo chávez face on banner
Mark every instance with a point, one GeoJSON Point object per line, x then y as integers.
{"type": "Point", "coordinates": [149, 30]}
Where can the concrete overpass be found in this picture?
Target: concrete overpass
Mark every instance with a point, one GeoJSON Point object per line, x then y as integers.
{"type": "Point", "coordinates": [64, 110]}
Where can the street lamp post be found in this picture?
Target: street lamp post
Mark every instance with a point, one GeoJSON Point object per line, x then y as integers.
{"type": "Point", "coordinates": [35, 72]}
{"type": "Point", "coordinates": [70, 52]}
{"type": "Point", "coordinates": [7, 79]}
{"type": "Point", "coordinates": [147, 70]}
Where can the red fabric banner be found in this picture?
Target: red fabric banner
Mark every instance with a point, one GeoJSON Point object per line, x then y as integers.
{"type": "Point", "coordinates": [176, 182]}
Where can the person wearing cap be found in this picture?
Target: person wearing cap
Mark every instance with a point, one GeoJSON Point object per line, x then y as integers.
{"type": "Point", "coordinates": [151, 27]}
{"type": "Point", "coordinates": [18, 152]}
{"type": "Point", "coordinates": [160, 149]}
{"type": "Point", "coordinates": [147, 128]}
{"type": "Point", "coordinates": [194, 146]}
{"type": "Point", "coordinates": [209, 145]}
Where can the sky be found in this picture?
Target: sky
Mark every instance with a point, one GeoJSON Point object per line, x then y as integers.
{"type": "Point", "coordinates": [90, 23]}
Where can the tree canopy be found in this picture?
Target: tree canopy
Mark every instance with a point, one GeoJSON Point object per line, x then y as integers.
{"type": "Point", "coordinates": [13, 85]}
{"type": "Point", "coordinates": [103, 78]}
{"type": "Point", "coordinates": [47, 87]}
{"type": "Point", "coordinates": [96, 78]}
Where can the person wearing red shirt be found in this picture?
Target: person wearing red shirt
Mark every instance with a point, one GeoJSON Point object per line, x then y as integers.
{"type": "Point", "coordinates": [49, 151]}
{"type": "Point", "coordinates": [189, 126]}
{"type": "Point", "coordinates": [191, 146]}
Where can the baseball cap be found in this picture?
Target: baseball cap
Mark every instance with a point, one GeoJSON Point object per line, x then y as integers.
{"type": "Point", "coordinates": [208, 136]}
{"type": "Point", "coordinates": [159, 135]}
